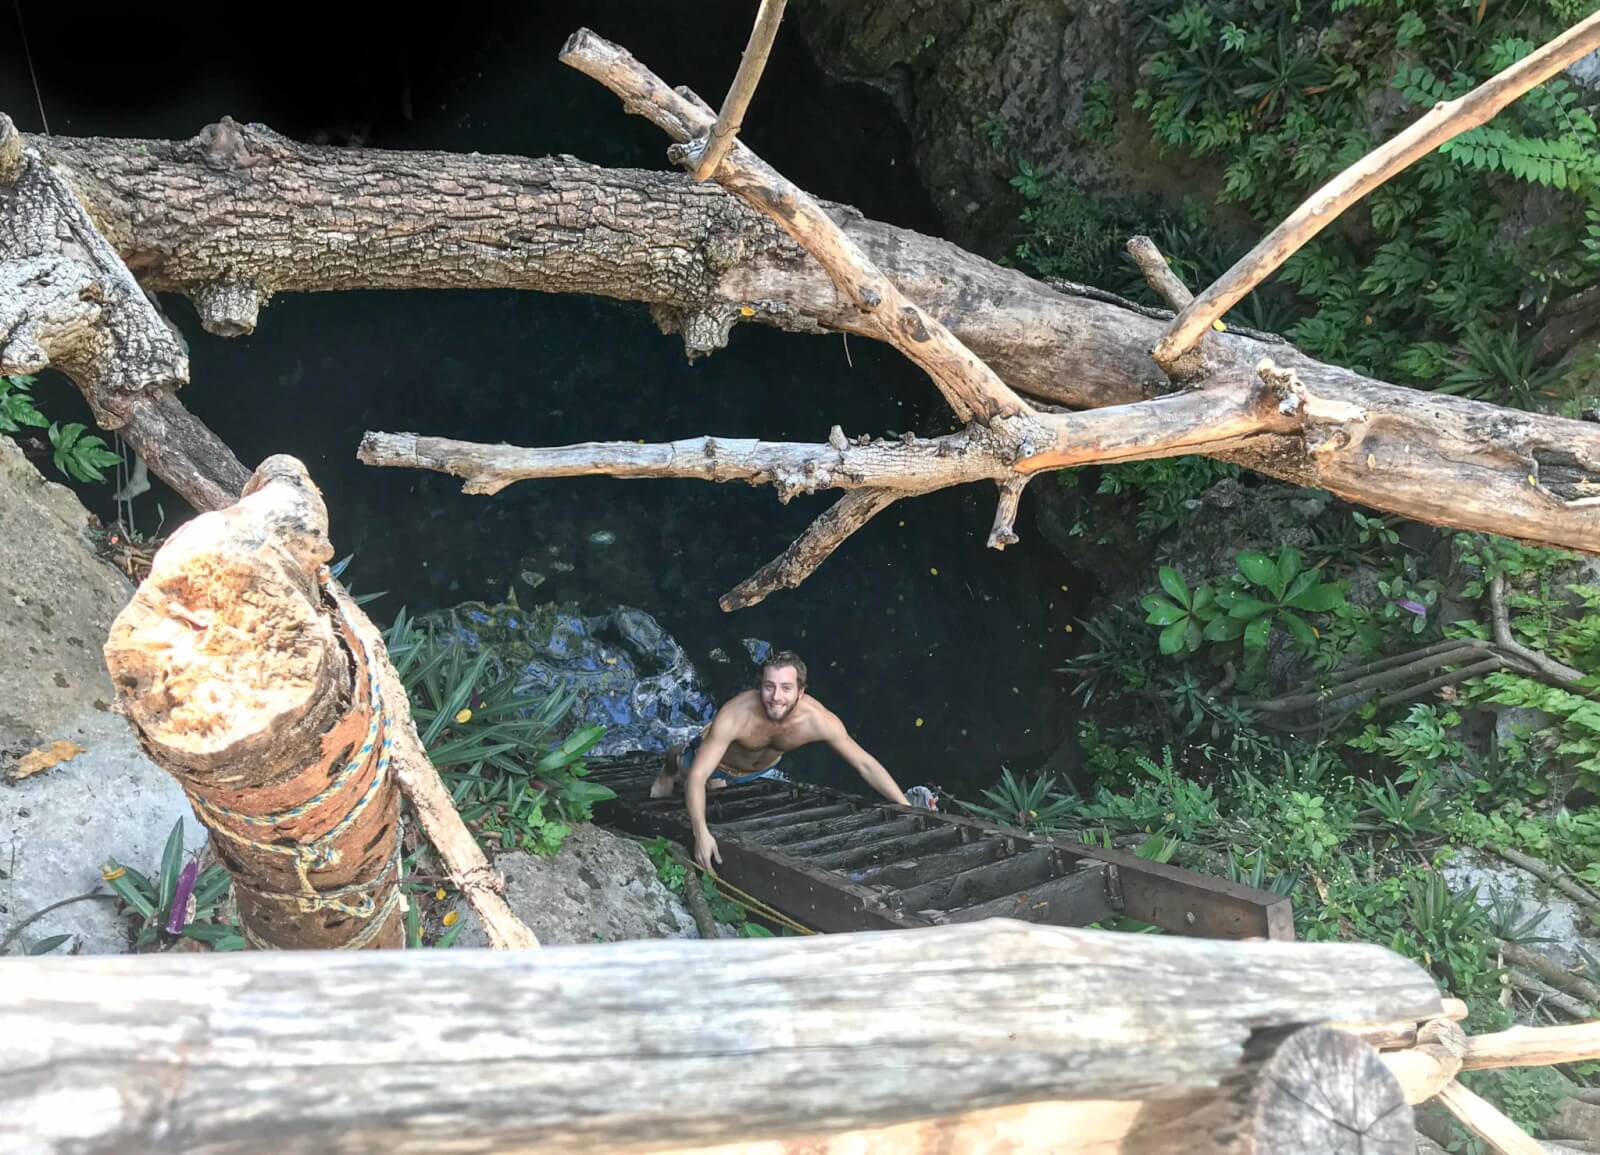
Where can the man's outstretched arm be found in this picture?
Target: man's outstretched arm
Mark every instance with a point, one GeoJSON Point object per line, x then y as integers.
{"type": "Point", "coordinates": [706, 759]}
{"type": "Point", "coordinates": [864, 764]}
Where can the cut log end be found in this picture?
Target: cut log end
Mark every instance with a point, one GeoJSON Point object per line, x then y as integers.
{"type": "Point", "coordinates": [1325, 1090]}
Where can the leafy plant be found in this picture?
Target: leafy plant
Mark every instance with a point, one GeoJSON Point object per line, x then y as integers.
{"type": "Point", "coordinates": [1423, 742]}
{"type": "Point", "coordinates": [16, 405]}
{"type": "Point", "coordinates": [81, 456]}
{"type": "Point", "coordinates": [182, 901]}
{"type": "Point", "coordinates": [1024, 804]}
{"type": "Point", "coordinates": [493, 746]}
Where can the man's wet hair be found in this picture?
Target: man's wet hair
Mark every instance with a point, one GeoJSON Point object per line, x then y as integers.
{"type": "Point", "coordinates": [786, 658]}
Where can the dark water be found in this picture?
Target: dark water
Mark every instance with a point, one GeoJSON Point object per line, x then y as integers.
{"type": "Point", "coordinates": [912, 619]}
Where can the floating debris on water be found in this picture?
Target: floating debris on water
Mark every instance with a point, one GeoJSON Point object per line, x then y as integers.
{"type": "Point", "coordinates": [602, 537]}
{"type": "Point", "coordinates": [757, 649]}
{"type": "Point", "coordinates": [719, 655]}
{"type": "Point", "coordinates": [561, 566]}
{"type": "Point", "coordinates": [533, 578]}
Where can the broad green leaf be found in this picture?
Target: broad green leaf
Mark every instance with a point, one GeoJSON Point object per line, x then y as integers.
{"type": "Point", "coordinates": [1204, 604]}
{"type": "Point", "coordinates": [1174, 637]}
{"type": "Point", "coordinates": [1260, 569]}
{"type": "Point", "coordinates": [1255, 634]}
{"type": "Point", "coordinates": [1300, 585]}
{"type": "Point", "coordinates": [1172, 582]}
{"type": "Point", "coordinates": [1161, 611]}
{"type": "Point", "coordinates": [1246, 608]}
{"type": "Point", "coordinates": [1319, 598]}
{"type": "Point", "coordinates": [1192, 636]}
{"type": "Point", "coordinates": [1223, 629]}
{"type": "Point", "coordinates": [1288, 567]}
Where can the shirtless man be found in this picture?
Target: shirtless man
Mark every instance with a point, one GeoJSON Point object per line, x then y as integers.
{"type": "Point", "coordinates": [748, 736]}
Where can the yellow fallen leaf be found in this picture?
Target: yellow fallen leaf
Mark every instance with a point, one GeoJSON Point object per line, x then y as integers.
{"type": "Point", "coordinates": [746, 311]}
{"type": "Point", "coordinates": [919, 721]}
{"type": "Point", "coordinates": [1219, 326]}
{"type": "Point", "coordinates": [933, 570]}
{"type": "Point", "coordinates": [45, 757]}
{"type": "Point", "coordinates": [464, 715]}
{"type": "Point", "coordinates": [1532, 480]}
{"type": "Point", "coordinates": [1067, 628]}
{"type": "Point", "coordinates": [1372, 461]}
{"type": "Point", "coordinates": [439, 894]}
{"type": "Point", "coordinates": [452, 918]}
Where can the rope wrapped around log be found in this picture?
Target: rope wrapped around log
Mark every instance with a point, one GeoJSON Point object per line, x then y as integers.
{"type": "Point", "coordinates": [246, 679]}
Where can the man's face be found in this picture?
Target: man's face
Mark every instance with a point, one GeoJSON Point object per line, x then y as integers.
{"type": "Point", "coordinates": [780, 691]}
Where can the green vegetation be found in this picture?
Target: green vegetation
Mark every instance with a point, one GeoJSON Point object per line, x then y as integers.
{"type": "Point", "coordinates": [79, 455]}
{"type": "Point", "coordinates": [495, 748]}
{"type": "Point", "coordinates": [181, 901]}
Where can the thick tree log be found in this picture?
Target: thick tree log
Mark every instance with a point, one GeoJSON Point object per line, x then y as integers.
{"type": "Point", "coordinates": [704, 1042]}
{"type": "Point", "coordinates": [243, 206]}
{"type": "Point", "coordinates": [241, 684]}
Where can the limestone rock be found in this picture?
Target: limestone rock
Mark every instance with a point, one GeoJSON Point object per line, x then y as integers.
{"type": "Point", "coordinates": [600, 887]}
{"type": "Point", "coordinates": [57, 599]}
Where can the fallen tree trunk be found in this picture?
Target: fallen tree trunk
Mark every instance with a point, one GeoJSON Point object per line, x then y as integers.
{"type": "Point", "coordinates": [1154, 1044]}
{"type": "Point", "coordinates": [238, 213]}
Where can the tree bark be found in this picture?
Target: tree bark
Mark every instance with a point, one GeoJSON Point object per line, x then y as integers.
{"type": "Point", "coordinates": [241, 684]}
{"type": "Point", "coordinates": [243, 207]}
{"type": "Point", "coordinates": [1198, 1041]}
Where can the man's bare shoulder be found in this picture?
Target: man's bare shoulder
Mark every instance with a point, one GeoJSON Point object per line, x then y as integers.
{"type": "Point", "coordinates": [741, 709]}
{"type": "Point", "coordinates": [820, 720]}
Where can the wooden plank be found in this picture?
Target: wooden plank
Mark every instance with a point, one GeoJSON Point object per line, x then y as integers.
{"type": "Point", "coordinates": [814, 897]}
{"type": "Point", "coordinates": [926, 867]}
{"type": "Point", "coordinates": [851, 839]}
{"type": "Point", "coordinates": [725, 795]}
{"type": "Point", "coordinates": [981, 883]}
{"type": "Point", "coordinates": [589, 1048]}
{"type": "Point", "coordinates": [717, 812]}
{"type": "Point", "coordinates": [801, 831]}
{"type": "Point", "coordinates": [1075, 899]}
{"type": "Point", "coordinates": [940, 838]}
{"type": "Point", "coordinates": [745, 826]}
{"type": "Point", "coordinates": [1184, 902]}
{"type": "Point", "coordinates": [1176, 900]}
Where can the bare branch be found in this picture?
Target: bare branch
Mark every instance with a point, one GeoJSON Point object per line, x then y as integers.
{"type": "Point", "coordinates": [970, 386]}
{"type": "Point", "coordinates": [1485, 1121]}
{"type": "Point", "coordinates": [1163, 282]}
{"type": "Point", "coordinates": [907, 465]}
{"type": "Point", "coordinates": [1558, 672]}
{"type": "Point", "coordinates": [1324, 206]}
{"type": "Point", "coordinates": [811, 549]}
{"type": "Point", "coordinates": [1005, 513]}
{"type": "Point", "coordinates": [720, 138]}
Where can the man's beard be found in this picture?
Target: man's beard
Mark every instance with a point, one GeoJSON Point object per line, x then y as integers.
{"type": "Point", "coordinates": [782, 712]}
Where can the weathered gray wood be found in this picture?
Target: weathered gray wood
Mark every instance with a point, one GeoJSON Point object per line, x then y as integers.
{"type": "Point", "coordinates": [1355, 1103]}
{"type": "Point", "coordinates": [851, 839]}
{"type": "Point", "coordinates": [604, 1048]}
{"type": "Point", "coordinates": [1075, 899]}
{"type": "Point", "coordinates": [892, 849]}
{"type": "Point", "coordinates": [803, 831]}
{"type": "Point", "coordinates": [924, 868]}
{"type": "Point", "coordinates": [970, 887]}
{"type": "Point", "coordinates": [810, 814]}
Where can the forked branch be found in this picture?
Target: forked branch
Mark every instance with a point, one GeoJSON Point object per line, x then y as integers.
{"type": "Point", "coordinates": [972, 389]}
{"type": "Point", "coordinates": [719, 139]}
